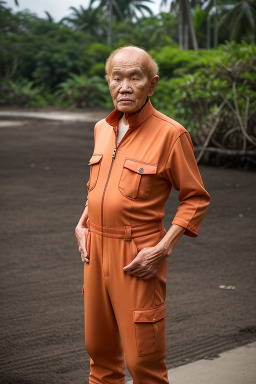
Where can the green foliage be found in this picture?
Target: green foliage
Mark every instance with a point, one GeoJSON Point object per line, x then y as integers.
{"type": "Point", "coordinates": [22, 93]}
{"type": "Point", "coordinates": [149, 32]}
{"type": "Point", "coordinates": [97, 69]}
{"type": "Point", "coordinates": [99, 52]}
{"type": "Point", "coordinates": [242, 20]}
{"type": "Point", "coordinates": [89, 21]}
{"type": "Point", "coordinates": [173, 62]}
{"type": "Point", "coordinates": [211, 92]}
{"type": "Point", "coordinates": [82, 91]}
{"type": "Point", "coordinates": [220, 96]}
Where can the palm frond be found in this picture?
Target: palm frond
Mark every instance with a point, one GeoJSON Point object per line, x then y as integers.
{"type": "Point", "coordinates": [49, 16]}
{"type": "Point", "coordinates": [250, 13]}
{"type": "Point", "coordinates": [143, 7]}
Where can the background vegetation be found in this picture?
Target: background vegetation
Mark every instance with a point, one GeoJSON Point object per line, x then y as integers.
{"type": "Point", "coordinates": [211, 91]}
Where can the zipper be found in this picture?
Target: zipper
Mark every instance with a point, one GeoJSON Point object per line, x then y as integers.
{"type": "Point", "coordinates": [110, 169]}
{"type": "Point", "coordinates": [109, 173]}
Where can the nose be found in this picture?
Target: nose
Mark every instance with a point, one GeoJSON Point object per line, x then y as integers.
{"type": "Point", "coordinates": [125, 86]}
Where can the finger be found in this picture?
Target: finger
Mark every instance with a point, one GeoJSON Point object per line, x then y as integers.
{"type": "Point", "coordinates": [82, 250]}
{"type": "Point", "coordinates": [137, 272]}
{"type": "Point", "coordinates": [146, 277]}
{"type": "Point", "coordinates": [132, 271]}
{"type": "Point", "coordinates": [84, 256]}
{"type": "Point", "coordinates": [133, 264]}
{"type": "Point", "coordinates": [135, 269]}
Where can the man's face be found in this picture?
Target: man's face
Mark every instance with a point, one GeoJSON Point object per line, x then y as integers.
{"type": "Point", "coordinates": [128, 81]}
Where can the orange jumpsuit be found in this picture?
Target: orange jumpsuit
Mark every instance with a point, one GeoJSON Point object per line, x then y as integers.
{"type": "Point", "coordinates": [127, 191]}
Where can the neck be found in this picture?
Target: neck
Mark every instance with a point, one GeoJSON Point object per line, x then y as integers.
{"type": "Point", "coordinates": [125, 118]}
{"type": "Point", "coordinates": [127, 115]}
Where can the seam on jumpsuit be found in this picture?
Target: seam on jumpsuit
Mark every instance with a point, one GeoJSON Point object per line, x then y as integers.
{"type": "Point", "coordinates": [168, 121]}
{"type": "Point", "coordinates": [130, 214]}
{"type": "Point", "coordinates": [167, 158]}
{"type": "Point", "coordinates": [154, 294]}
{"type": "Point", "coordinates": [188, 225]}
{"type": "Point", "coordinates": [192, 226]}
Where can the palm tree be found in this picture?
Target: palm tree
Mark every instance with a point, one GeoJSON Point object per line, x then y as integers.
{"type": "Point", "coordinates": [211, 10]}
{"type": "Point", "coordinates": [241, 16]}
{"type": "Point", "coordinates": [186, 27]}
{"type": "Point", "coordinates": [86, 20]}
{"type": "Point", "coordinates": [122, 9]}
{"type": "Point", "coordinates": [125, 9]}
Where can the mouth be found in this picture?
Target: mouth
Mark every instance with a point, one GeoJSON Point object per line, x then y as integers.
{"type": "Point", "coordinates": [125, 101]}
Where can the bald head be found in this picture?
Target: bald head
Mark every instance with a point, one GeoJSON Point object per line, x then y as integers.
{"type": "Point", "coordinates": [149, 64]}
{"type": "Point", "coordinates": [132, 78]}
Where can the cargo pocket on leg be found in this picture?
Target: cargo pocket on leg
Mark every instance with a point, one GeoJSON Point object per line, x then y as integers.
{"type": "Point", "coordinates": [150, 329]}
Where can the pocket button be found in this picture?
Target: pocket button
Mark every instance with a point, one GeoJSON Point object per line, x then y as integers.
{"type": "Point", "coordinates": [141, 170]}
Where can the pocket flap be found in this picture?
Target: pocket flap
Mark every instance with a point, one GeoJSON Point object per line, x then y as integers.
{"type": "Point", "coordinates": [140, 167]}
{"type": "Point", "coordinates": [149, 315]}
{"type": "Point", "coordinates": [95, 159]}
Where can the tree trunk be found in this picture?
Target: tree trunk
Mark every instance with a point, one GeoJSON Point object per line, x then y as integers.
{"type": "Point", "coordinates": [191, 25]}
{"type": "Point", "coordinates": [181, 31]}
{"type": "Point", "coordinates": [186, 26]}
{"type": "Point", "coordinates": [110, 14]}
{"type": "Point", "coordinates": [186, 36]}
{"type": "Point", "coordinates": [215, 40]}
{"type": "Point", "coordinates": [208, 32]}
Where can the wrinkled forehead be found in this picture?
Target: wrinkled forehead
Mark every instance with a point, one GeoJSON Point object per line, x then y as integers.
{"type": "Point", "coordinates": [128, 61]}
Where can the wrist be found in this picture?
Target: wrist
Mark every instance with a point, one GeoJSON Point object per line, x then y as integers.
{"type": "Point", "coordinates": [163, 249]}
{"type": "Point", "coordinates": [80, 227]}
{"type": "Point", "coordinates": [168, 242]}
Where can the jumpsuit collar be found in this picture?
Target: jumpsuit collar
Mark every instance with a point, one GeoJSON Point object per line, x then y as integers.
{"type": "Point", "coordinates": [134, 120]}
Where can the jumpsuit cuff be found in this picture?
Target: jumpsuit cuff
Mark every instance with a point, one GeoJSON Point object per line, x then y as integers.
{"type": "Point", "coordinates": [190, 231]}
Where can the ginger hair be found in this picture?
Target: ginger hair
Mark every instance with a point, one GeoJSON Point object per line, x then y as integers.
{"type": "Point", "coordinates": [150, 63]}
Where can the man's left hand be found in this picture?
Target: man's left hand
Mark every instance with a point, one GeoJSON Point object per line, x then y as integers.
{"type": "Point", "coordinates": [146, 264]}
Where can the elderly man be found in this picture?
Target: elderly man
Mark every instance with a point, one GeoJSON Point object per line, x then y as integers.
{"type": "Point", "coordinates": [139, 155]}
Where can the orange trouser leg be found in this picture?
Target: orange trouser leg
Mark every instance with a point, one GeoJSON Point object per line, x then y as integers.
{"type": "Point", "coordinates": [111, 297]}
{"type": "Point", "coordinates": [102, 338]}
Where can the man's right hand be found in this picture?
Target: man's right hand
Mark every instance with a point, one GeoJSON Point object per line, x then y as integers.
{"type": "Point", "coordinates": [81, 233]}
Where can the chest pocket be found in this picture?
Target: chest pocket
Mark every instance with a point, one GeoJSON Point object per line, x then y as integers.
{"type": "Point", "coordinates": [137, 179]}
{"type": "Point", "coordinates": [94, 162]}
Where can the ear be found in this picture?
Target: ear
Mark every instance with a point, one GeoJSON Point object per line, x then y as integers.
{"type": "Point", "coordinates": [107, 79]}
{"type": "Point", "coordinates": [153, 85]}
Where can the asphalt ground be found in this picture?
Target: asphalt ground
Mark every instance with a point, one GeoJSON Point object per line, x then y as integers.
{"type": "Point", "coordinates": [211, 283]}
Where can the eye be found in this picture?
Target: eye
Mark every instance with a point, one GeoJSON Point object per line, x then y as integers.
{"type": "Point", "coordinates": [116, 78]}
{"type": "Point", "coordinates": [135, 78]}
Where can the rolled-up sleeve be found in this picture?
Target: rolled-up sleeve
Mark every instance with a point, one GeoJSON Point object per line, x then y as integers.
{"type": "Point", "coordinates": [184, 175]}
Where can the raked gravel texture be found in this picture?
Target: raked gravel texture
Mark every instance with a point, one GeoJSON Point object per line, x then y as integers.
{"type": "Point", "coordinates": [211, 285]}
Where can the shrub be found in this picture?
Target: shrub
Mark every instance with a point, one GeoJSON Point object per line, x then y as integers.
{"type": "Point", "coordinates": [82, 91]}
{"type": "Point", "coordinates": [174, 62]}
{"type": "Point", "coordinates": [23, 93]}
